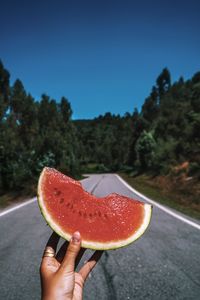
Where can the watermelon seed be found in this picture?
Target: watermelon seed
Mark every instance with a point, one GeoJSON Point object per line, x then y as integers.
{"type": "Point", "coordinates": [80, 213]}
{"type": "Point", "coordinates": [57, 193]}
{"type": "Point", "coordinates": [61, 200]}
{"type": "Point", "coordinates": [90, 215]}
{"type": "Point", "coordinates": [68, 204]}
{"type": "Point", "coordinates": [71, 206]}
{"type": "Point", "coordinates": [105, 215]}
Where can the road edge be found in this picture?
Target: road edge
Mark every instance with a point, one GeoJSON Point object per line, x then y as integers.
{"type": "Point", "coordinates": [160, 206]}
{"type": "Point", "coordinates": [15, 207]}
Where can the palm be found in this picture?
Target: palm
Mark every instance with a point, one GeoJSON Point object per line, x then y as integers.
{"type": "Point", "coordinates": [58, 275]}
{"type": "Point", "coordinates": [72, 281]}
{"type": "Point", "coordinates": [78, 287]}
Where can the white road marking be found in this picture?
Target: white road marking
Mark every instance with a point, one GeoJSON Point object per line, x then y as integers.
{"type": "Point", "coordinates": [7, 211]}
{"type": "Point", "coordinates": [165, 209]}
{"type": "Point", "coordinates": [17, 207]}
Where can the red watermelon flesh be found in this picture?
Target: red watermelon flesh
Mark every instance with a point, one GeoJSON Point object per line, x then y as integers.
{"type": "Point", "coordinates": [104, 223]}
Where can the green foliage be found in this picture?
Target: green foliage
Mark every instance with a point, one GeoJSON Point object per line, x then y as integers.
{"type": "Point", "coordinates": [164, 134]}
{"type": "Point", "coordinates": [145, 150]}
{"type": "Point", "coordinates": [163, 82]}
{"type": "Point", "coordinates": [105, 140]}
{"type": "Point", "coordinates": [194, 169]}
{"type": "Point", "coordinates": [150, 107]}
{"type": "Point", "coordinates": [33, 135]}
{"type": "Point", "coordinates": [164, 156]}
{"type": "Point", "coordinates": [4, 90]}
{"type": "Point", "coordinates": [46, 160]}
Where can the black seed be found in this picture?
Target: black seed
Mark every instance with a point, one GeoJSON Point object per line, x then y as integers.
{"type": "Point", "coordinates": [57, 193]}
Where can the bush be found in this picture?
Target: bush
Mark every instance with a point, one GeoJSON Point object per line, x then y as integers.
{"type": "Point", "coordinates": [194, 169]}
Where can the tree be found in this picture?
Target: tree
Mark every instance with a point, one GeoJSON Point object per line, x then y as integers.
{"type": "Point", "coordinates": [139, 124]}
{"type": "Point", "coordinates": [196, 78]}
{"type": "Point", "coordinates": [17, 100]}
{"type": "Point", "coordinates": [33, 135]}
{"type": "Point", "coordinates": [145, 150]}
{"type": "Point", "coordinates": [163, 82]}
{"type": "Point", "coordinates": [66, 110]}
{"type": "Point", "coordinates": [150, 107]}
{"type": "Point", "coordinates": [4, 90]}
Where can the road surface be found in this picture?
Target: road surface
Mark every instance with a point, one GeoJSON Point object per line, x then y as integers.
{"type": "Point", "coordinates": [163, 264]}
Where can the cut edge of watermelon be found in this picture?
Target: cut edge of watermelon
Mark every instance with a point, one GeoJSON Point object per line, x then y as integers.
{"type": "Point", "coordinates": [91, 244]}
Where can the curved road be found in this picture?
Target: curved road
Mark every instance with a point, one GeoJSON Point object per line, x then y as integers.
{"type": "Point", "coordinates": [163, 264]}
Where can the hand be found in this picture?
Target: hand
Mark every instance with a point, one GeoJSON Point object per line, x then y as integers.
{"type": "Point", "coordinates": [59, 280]}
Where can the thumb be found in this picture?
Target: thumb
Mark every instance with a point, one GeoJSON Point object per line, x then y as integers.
{"type": "Point", "coordinates": [68, 263]}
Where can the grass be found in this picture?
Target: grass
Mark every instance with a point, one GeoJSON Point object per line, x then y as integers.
{"type": "Point", "coordinates": [26, 192]}
{"type": "Point", "coordinates": [94, 168]}
{"type": "Point", "coordinates": [145, 185]}
{"type": "Point", "coordinates": [14, 197]}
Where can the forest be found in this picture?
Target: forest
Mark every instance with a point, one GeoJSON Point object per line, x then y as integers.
{"type": "Point", "coordinates": [162, 139]}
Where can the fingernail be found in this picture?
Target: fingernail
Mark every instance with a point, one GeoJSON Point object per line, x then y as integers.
{"type": "Point", "coordinates": [76, 237]}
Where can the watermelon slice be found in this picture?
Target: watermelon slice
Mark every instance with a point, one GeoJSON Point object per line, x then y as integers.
{"type": "Point", "coordinates": [104, 223]}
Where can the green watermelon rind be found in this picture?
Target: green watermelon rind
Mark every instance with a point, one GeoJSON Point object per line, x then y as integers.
{"type": "Point", "coordinates": [93, 244]}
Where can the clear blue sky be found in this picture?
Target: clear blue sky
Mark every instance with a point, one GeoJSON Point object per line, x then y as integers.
{"type": "Point", "coordinates": [101, 55]}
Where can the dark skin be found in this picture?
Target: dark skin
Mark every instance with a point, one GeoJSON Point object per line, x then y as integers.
{"type": "Point", "coordinates": [59, 280]}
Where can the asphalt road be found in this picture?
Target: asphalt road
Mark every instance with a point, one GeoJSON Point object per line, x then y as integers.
{"type": "Point", "coordinates": [163, 264]}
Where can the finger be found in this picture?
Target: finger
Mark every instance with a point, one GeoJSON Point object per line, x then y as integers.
{"type": "Point", "coordinates": [53, 242]}
{"type": "Point", "coordinates": [87, 268]}
{"type": "Point", "coordinates": [61, 253]}
{"type": "Point", "coordinates": [68, 263]}
{"type": "Point", "coordinates": [51, 248]}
